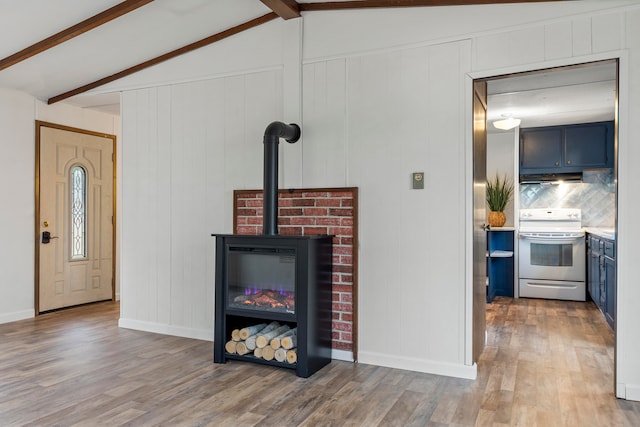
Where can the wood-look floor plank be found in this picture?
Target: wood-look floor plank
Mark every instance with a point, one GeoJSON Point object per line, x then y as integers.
{"type": "Point", "coordinates": [545, 363]}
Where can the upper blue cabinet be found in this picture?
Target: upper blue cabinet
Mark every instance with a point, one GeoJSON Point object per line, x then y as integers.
{"type": "Point", "coordinates": [566, 149]}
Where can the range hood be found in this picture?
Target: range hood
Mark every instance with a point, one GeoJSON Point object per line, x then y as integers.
{"type": "Point", "coordinates": [550, 178]}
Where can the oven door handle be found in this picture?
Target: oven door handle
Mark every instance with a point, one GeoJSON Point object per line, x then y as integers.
{"type": "Point", "coordinates": [550, 239]}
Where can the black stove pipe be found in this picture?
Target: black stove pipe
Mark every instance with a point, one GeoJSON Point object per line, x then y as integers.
{"type": "Point", "coordinates": [272, 135]}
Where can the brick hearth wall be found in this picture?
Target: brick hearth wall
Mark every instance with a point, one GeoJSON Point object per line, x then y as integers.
{"type": "Point", "coordinates": [305, 212]}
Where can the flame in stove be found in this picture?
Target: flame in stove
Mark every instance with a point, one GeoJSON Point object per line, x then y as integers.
{"type": "Point", "coordinates": [260, 297]}
{"type": "Point", "coordinates": [255, 291]}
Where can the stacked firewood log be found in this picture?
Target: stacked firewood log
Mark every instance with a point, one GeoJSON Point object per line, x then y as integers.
{"type": "Point", "coordinates": [265, 341]}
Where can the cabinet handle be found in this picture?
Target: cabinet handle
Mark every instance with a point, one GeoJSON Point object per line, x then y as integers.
{"type": "Point", "coordinates": [557, 163]}
{"type": "Point", "coordinates": [568, 162]}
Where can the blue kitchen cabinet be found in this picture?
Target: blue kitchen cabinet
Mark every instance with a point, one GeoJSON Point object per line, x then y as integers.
{"type": "Point", "coordinates": [541, 149]}
{"type": "Point", "coordinates": [500, 262]}
{"type": "Point", "coordinates": [601, 275]}
{"type": "Point", "coordinates": [609, 306]}
{"type": "Point", "coordinates": [567, 148]}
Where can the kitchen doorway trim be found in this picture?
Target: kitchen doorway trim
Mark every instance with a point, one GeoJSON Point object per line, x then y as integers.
{"type": "Point", "coordinates": [623, 213]}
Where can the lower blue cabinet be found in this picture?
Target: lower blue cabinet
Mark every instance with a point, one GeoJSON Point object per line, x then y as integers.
{"type": "Point", "coordinates": [500, 263]}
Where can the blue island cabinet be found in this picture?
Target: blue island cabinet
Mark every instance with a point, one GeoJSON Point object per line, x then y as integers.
{"type": "Point", "coordinates": [500, 262]}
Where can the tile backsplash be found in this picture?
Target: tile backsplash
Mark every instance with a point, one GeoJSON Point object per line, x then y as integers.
{"type": "Point", "coordinates": [595, 196]}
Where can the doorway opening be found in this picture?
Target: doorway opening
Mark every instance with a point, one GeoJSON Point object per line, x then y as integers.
{"type": "Point", "coordinates": [553, 98]}
{"type": "Point", "coordinates": [74, 218]}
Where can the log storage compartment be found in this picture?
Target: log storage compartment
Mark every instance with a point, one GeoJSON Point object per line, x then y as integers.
{"type": "Point", "coordinates": [277, 282]}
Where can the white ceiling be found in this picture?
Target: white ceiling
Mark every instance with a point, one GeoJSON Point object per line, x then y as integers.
{"type": "Point", "coordinates": [578, 94]}
{"type": "Point", "coordinates": [566, 95]}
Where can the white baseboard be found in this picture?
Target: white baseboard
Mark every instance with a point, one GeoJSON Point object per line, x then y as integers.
{"type": "Point", "coordinates": [632, 392]}
{"type": "Point", "coordinates": [17, 315]}
{"type": "Point", "coordinates": [343, 355]}
{"type": "Point", "coordinates": [419, 365]}
{"type": "Point", "coordinates": [160, 328]}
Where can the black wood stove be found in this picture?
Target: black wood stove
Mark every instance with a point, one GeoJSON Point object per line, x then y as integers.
{"type": "Point", "coordinates": [266, 278]}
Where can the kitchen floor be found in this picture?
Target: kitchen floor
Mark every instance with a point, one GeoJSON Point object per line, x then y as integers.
{"type": "Point", "coordinates": [550, 362]}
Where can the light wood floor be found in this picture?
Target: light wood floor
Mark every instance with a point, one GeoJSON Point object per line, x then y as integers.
{"type": "Point", "coordinates": [547, 363]}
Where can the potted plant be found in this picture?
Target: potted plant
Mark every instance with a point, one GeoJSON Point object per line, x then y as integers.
{"type": "Point", "coordinates": [499, 192]}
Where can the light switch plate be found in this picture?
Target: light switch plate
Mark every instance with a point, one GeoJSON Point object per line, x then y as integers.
{"type": "Point", "coordinates": [418, 180]}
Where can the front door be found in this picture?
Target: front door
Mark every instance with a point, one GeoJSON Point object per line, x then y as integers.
{"type": "Point", "coordinates": [75, 213]}
{"type": "Point", "coordinates": [479, 216]}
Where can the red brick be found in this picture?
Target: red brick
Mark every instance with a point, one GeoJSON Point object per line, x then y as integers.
{"type": "Point", "coordinates": [289, 194]}
{"type": "Point", "coordinates": [335, 278]}
{"type": "Point", "coordinates": [314, 194]}
{"type": "Point", "coordinates": [341, 326]}
{"type": "Point", "coordinates": [341, 231]}
{"type": "Point", "coordinates": [254, 220]}
{"type": "Point", "coordinates": [347, 222]}
{"type": "Point", "coordinates": [290, 212]}
{"type": "Point", "coordinates": [340, 212]}
{"type": "Point", "coordinates": [291, 231]}
{"type": "Point", "coordinates": [241, 203]}
{"type": "Point", "coordinates": [343, 250]}
{"type": "Point", "coordinates": [301, 220]}
{"type": "Point", "coordinates": [338, 194]}
{"type": "Point", "coordinates": [250, 194]}
{"type": "Point", "coordinates": [346, 241]}
{"type": "Point", "coordinates": [342, 288]}
{"type": "Point", "coordinates": [247, 230]}
{"type": "Point", "coordinates": [338, 345]}
{"type": "Point", "coordinates": [346, 336]}
{"type": "Point", "coordinates": [285, 203]}
{"type": "Point", "coordinates": [342, 307]}
{"type": "Point", "coordinates": [247, 212]}
{"type": "Point", "coordinates": [335, 336]}
{"type": "Point", "coordinates": [346, 260]}
{"type": "Point", "coordinates": [284, 221]}
{"type": "Point", "coordinates": [254, 203]}
{"type": "Point", "coordinates": [304, 202]}
{"type": "Point", "coordinates": [346, 297]}
{"type": "Point", "coordinates": [346, 278]}
{"type": "Point", "coordinates": [328, 202]}
{"type": "Point", "coordinates": [328, 221]}
{"type": "Point", "coordinates": [346, 317]}
{"type": "Point", "coordinates": [336, 316]}
{"type": "Point", "coordinates": [315, 211]}
{"type": "Point", "coordinates": [346, 203]}
{"type": "Point", "coordinates": [314, 231]}
{"type": "Point", "coordinates": [335, 297]}
{"type": "Point", "coordinates": [340, 268]}
{"type": "Point", "coordinates": [242, 220]}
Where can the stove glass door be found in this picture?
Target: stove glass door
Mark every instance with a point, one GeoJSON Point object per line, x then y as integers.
{"type": "Point", "coordinates": [261, 279]}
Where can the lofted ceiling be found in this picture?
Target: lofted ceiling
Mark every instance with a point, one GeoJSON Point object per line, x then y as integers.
{"type": "Point", "coordinates": [57, 49]}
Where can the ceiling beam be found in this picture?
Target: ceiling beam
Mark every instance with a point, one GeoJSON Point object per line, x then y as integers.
{"type": "Point", "coordinates": [360, 4]}
{"type": "Point", "coordinates": [180, 51]}
{"type": "Point", "coordinates": [285, 9]}
{"type": "Point", "coordinates": [73, 31]}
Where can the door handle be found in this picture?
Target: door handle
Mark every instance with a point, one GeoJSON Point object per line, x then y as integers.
{"type": "Point", "coordinates": [46, 237]}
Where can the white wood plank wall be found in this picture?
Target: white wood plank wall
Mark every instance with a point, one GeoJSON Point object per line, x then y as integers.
{"type": "Point", "coordinates": [188, 147]}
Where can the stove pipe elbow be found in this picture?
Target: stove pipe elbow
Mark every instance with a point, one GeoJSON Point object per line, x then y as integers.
{"type": "Point", "coordinates": [272, 135]}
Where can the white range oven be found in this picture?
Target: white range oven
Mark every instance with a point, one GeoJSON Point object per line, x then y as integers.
{"type": "Point", "coordinates": [551, 254]}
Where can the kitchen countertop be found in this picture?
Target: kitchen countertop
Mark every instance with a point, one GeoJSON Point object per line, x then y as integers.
{"type": "Point", "coordinates": [607, 233]}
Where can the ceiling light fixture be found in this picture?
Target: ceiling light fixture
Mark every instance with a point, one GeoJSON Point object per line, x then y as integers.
{"type": "Point", "coordinates": [507, 123]}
